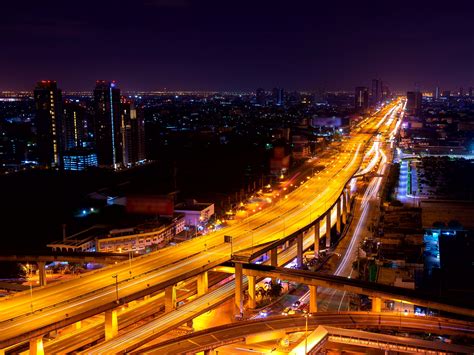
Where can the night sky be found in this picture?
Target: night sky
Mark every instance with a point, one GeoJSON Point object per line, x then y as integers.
{"type": "Point", "coordinates": [237, 45]}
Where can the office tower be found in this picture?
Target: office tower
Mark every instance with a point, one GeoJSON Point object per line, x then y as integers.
{"type": "Point", "coordinates": [361, 99]}
{"type": "Point", "coordinates": [414, 100]}
{"type": "Point", "coordinates": [107, 123]}
{"type": "Point", "coordinates": [133, 133]}
{"type": "Point", "coordinates": [75, 124]}
{"type": "Point", "coordinates": [77, 159]}
{"type": "Point", "coordinates": [277, 95]}
{"type": "Point", "coordinates": [49, 123]}
{"type": "Point", "coordinates": [261, 99]}
{"type": "Point", "coordinates": [385, 92]}
{"type": "Point", "coordinates": [436, 93]}
{"type": "Point", "coordinates": [376, 91]}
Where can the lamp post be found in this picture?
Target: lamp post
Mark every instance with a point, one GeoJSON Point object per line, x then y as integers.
{"type": "Point", "coordinates": [31, 285]}
{"type": "Point", "coordinates": [306, 315]}
{"type": "Point", "coordinates": [130, 262]}
{"type": "Point", "coordinates": [115, 276]}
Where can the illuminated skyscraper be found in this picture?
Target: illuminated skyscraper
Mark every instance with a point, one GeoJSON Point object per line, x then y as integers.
{"type": "Point", "coordinates": [361, 99]}
{"type": "Point", "coordinates": [277, 94]}
{"type": "Point", "coordinates": [49, 123]}
{"type": "Point", "coordinates": [261, 98]}
{"type": "Point", "coordinates": [414, 100]}
{"type": "Point", "coordinates": [133, 133]}
{"type": "Point", "coordinates": [376, 92]}
{"type": "Point", "coordinates": [75, 124]}
{"type": "Point", "coordinates": [107, 124]}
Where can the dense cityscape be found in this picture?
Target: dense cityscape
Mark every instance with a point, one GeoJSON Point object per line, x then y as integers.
{"type": "Point", "coordinates": [310, 214]}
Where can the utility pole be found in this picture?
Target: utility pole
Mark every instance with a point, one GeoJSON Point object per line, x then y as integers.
{"type": "Point", "coordinates": [115, 276]}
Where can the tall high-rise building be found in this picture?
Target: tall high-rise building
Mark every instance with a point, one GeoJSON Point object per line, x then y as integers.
{"type": "Point", "coordinates": [49, 123]}
{"type": "Point", "coordinates": [261, 97]}
{"type": "Point", "coordinates": [75, 124]}
{"type": "Point", "coordinates": [133, 133]}
{"type": "Point", "coordinates": [386, 94]}
{"type": "Point", "coordinates": [376, 91]}
{"type": "Point", "coordinates": [414, 101]}
{"type": "Point", "coordinates": [361, 98]}
{"type": "Point", "coordinates": [436, 93]}
{"type": "Point", "coordinates": [107, 124]}
{"type": "Point", "coordinates": [278, 96]}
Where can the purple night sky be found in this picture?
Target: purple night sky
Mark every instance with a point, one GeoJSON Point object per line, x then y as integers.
{"type": "Point", "coordinates": [237, 45]}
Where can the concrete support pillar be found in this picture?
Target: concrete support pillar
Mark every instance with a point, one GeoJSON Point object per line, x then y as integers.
{"type": "Point", "coordinates": [316, 237]}
{"type": "Point", "coordinates": [42, 272]}
{"type": "Point", "coordinates": [238, 288]}
{"type": "Point", "coordinates": [344, 207]}
{"type": "Point", "coordinates": [348, 202]}
{"type": "Point", "coordinates": [299, 250]}
{"type": "Point", "coordinates": [36, 346]}
{"type": "Point", "coordinates": [376, 304]}
{"type": "Point", "coordinates": [313, 299]}
{"type": "Point", "coordinates": [111, 324]}
{"type": "Point", "coordinates": [251, 287]}
{"type": "Point", "coordinates": [202, 283]}
{"type": "Point", "coordinates": [274, 257]}
{"type": "Point", "coordinates": [170, 298]}
{"type": "Point", "coordinates": [328, 229]}
{"type": "Point", "coordinates": [338, 216]}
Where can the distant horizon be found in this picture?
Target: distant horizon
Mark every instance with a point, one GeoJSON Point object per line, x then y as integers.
{"type": "Point", "coordinates": [229, 91]}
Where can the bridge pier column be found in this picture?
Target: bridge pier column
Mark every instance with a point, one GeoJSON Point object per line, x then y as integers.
{"type": "Point", "coordinates": [42, 272]}
{"type": "Point", "coordinates": [299, 250]}
{"type": "Point", "coordinates": [348, 198]}
{"type": "Point", "coordinates": [251, 288]}
{"type": "Point", "coordinates": [376, 304]}
{"type": "Point", "coordinates": [238, 288]}
{"type": "Point", "coordinates": [338, 216]}
{"type": "Point", "coordinates": [328, 229]}
{"type": "Point", "coordinates": [274, 257]}
{"type": "Point", "coordinates": [344, 207]}
{"type": "Point", "coordinates": [202, 283]}
{"type": "Point", "coordinates": [111, 324]}
{"type": "Point", "coordinates": [316, 238]}
{"type": "Point", "coordinates": [313, 299]}
{"type": "Point", "coordinates": [36, 346]}
{"type": "Point", "coordinates": [170, 298]}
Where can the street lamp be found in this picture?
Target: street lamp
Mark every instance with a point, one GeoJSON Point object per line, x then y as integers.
{"type": "Point", "coordinates": [115, 276]}
{"type": "Point", "coordinates": [306, 315]}
{"type": "Point", "coordinates": [130, 262]}
{"type": "Point", "coordinates": [28, 270]}
{"type": "Point", "coordinates": [228, 239]}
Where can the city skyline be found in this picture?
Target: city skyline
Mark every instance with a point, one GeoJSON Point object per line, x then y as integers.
{"type": "Point", "coordinates": [183, 45]}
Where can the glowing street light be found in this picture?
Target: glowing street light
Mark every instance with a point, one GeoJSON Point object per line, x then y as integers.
{"type": "Point", "coordinates": [306, 315]}
{"type": "Point", "coordinates": [115, 276]}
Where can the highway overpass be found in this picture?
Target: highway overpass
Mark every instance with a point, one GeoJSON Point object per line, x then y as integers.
{"type": "Point", "coordinates": [25, 316]}
{"type": "Point", "coordinates": [280, 325]}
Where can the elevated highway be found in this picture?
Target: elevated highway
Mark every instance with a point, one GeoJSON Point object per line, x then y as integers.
{"type": "Point", "coordinates": [73, 257]}
{"type": "Point", "coordinates": [236, 332]}
{"type": "Point", "coordinates": [360, 287]}
{"type": "Point", "coordinates": [24, 316]}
